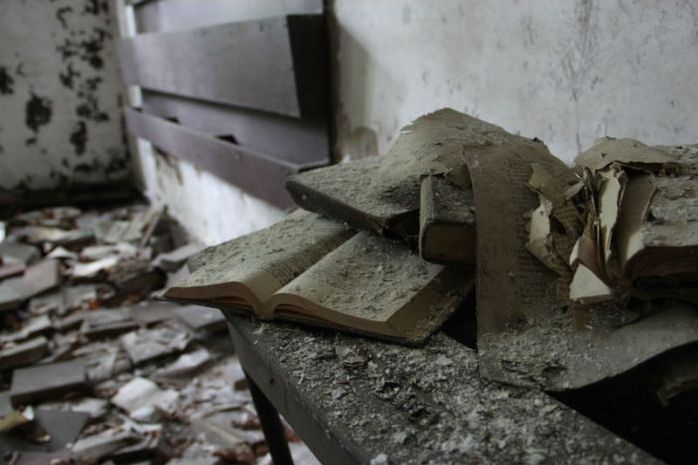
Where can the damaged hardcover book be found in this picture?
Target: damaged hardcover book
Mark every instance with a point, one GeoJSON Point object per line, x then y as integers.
{"type": "Point", "coordinates": [314, 270]}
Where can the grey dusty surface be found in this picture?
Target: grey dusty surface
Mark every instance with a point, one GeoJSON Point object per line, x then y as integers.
{"type": "Point", "coordinates": [429, 405]}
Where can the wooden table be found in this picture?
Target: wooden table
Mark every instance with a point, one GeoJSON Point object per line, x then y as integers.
{"type": "Point", "coordinates": [358, 401]}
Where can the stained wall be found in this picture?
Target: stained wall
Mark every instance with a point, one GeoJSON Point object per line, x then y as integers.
{"type": "Point", "coordinates": [60, 104]}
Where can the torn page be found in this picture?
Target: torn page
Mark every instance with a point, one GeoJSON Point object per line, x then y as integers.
{"type": "Point", "coordinates": [609, 199]}
{"type": "Point", "coordinates": [540, 238]}
{"type": "Point", "coordinates": [608, 150]}
{"type": "Point", "coordinates": [587, 289]}
{"type": "Point", "coordinates": [526, 331]}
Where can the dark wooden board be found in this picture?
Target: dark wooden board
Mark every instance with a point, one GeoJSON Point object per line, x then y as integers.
{"type": "Point", "coordinates": [176, 15]}
{"type": "Point", "coordinates": [298, 141]}
{"type": "Point", "coordinates": [352, 399]}
{"type": "Point", "coordinates": [260, 175]}
{"type": "Point", "coordinates": [44, 382]}
{"type": "Point", "coordinates": [278, 65]}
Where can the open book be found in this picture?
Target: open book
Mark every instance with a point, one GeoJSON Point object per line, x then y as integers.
{"type": "Point", "coordinates": [314, 270]}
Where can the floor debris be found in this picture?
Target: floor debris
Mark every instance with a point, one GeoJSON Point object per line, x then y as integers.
{"type": "Point", "coordinates": [92, 369]}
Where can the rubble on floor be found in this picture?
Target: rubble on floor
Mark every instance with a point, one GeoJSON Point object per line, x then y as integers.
{"type": "Point", "coordinates": [93, 369]}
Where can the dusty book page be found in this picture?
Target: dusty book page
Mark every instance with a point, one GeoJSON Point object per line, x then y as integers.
{"type": "Point", "coordinates": [527, 334]}
{"type": "Point", "coordinates": [608, 150]}
{"type": "Point", "coordinates": [613, 182]}
{"type": "Point", "coordinates": [368, 281]}
{"type": "Point", "coordinates": [631, 222]}
{"type": "Point", "coordinates": [668, 241]}
{"type": "Point", "coordinates": [661, 219]}
{"type": "Point", "coordinates": [263, 261]}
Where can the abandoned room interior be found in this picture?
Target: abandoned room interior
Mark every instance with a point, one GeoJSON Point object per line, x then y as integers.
{"type": "Point", "coordinates": [377, 232]}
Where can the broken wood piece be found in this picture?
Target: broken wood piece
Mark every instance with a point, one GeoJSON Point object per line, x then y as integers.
{"type": "Point", "coordinates": [23, 354]}
{"type": "Point", "coordinates": [446, 222]}
{"type": "Point", "coordinates": [38, 278]}
{"type": "Point", "coordinates": [70, 322]}
{"type": "Point", "coordinates": [106, 323]}
{"type": "Point", "coordinates": [202, 320]}
{"type": "Point", "coordinates": [30, 328]}
{"type": "Point", "coordinates": [45, 382]}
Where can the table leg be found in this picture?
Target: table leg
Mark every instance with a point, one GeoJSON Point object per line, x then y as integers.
{"type": "Point", "coordinates": [271, 425]}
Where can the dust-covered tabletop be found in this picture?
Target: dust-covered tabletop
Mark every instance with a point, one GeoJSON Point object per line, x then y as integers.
{"type": "Point", "coordinates": [355, 400]}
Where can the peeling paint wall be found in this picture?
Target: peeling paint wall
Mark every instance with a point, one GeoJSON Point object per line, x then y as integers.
{"type": "Point", "coordinates": [567, 72]}
{"type": "Point", "coordinates": [60, 107]}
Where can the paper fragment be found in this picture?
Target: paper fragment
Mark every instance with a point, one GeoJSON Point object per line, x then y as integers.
{"type": "Point", "coordinates": [608, 150]}
{"type": "Point", "coordinates": [144, 400]}
{"type": "Point", "coordinates": [609, 200]}
{"type": "Point", "coordinates": [540, 238]}
{"type": "Point", "coordinates": [586, 288]}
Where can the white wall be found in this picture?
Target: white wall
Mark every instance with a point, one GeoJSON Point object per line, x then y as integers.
{"type": "Point", "coordinates": [567, 72]}
{"type": "Point", "coordinates": [211, 210]}
{"type": "Point", "coordinates": [60, 115]}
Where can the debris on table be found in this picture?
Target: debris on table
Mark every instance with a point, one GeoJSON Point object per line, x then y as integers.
{"type": "Point", "coordinates": [92, 370]}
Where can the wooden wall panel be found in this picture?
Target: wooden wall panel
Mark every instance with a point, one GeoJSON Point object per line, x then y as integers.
{"type": "Point", "coordinates": [298, 141]}
{"type": "Point", "coordinates": [256, 173]}
{"type": "Point", "coordinates": [277, 65]}
{"type": "Point", "coordinates": [176, 15]}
